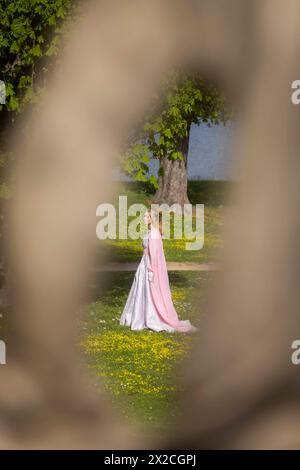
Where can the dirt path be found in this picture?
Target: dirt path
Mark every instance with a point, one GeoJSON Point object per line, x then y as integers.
{"type": "Point", "coordinates": [172, 266]}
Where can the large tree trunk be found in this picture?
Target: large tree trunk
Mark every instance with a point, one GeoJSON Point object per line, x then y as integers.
{"type": "Point", "coordinates": [172, 181]}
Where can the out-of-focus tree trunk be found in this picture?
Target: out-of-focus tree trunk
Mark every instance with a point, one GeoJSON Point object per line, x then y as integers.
{"type": "Point", "coordinates": [240, 389]}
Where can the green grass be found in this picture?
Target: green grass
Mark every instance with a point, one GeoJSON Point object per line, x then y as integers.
{"type": "Point", "coordinates": [139, 371]}
{"type": "Point", "coordinates": [210, 193]}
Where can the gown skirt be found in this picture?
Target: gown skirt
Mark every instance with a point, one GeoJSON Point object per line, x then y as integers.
{"type": "Point", "coordinates": [139, 311]}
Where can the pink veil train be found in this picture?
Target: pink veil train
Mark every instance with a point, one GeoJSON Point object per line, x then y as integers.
{"type": "Point", "coordinates": [160, 288]}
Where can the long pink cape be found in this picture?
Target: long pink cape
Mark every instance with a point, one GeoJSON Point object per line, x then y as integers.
{"type": "Point", "coordinates": [160, 288]}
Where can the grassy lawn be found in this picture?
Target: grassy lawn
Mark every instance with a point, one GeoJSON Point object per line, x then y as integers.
{"type": "Point", "coordinates": [139, 371]}
{"type": "Point", "coordinates": [209, 193]}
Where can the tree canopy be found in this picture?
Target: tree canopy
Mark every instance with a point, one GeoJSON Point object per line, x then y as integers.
{"type": "Point", "coordinates": [184, 100]}
{"type": "Point", "coordinates": [30, 35]}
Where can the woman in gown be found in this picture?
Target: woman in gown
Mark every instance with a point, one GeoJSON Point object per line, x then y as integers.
{"type": "Point", "coordinates": [149, 303]}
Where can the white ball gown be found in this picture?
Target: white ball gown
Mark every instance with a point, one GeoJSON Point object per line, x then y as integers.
{"type": "Point", "coordinates": [139, 311]}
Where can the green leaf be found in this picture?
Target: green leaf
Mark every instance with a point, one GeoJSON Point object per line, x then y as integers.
{"type": "Point", "coordinates": [176, 156]}
{"type": "Point", "coordinates": [168, 133]}
{"type": "Point", "coordinates": [36, 51]}
{"type": "Point", "coordinates": [153, 181]}
{"type": "Point", "coordinates": [52, 20]}
{"type": "Point", "coordinates": [13, 103]}
{"type": "Point", "coordinates": [14, 47]}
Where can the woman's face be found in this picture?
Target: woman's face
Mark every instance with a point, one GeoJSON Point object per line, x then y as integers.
{"type": "Point", "coordinates": [147, 218]}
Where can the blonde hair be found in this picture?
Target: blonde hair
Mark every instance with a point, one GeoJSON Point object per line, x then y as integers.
{"type": "Point", "coordinates": [156, 219]}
